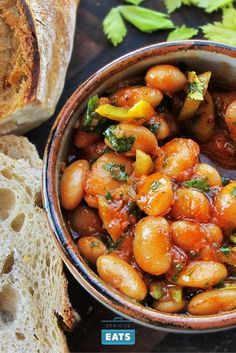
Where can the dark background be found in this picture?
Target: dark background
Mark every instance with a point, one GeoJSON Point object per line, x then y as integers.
{"type": "Point", "coordinates": [91, 52]}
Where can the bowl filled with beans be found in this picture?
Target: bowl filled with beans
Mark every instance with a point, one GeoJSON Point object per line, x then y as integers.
{"type": "Point", "coordinates": [140, 185]}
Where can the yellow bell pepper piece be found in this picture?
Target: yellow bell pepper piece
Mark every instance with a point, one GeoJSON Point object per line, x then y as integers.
{"type": "Point", "coordinates": [191, 105]}
{"type": "Point", "coordinates": [141, 110]}
{"type": "Point", "coordinates": [143, 164]}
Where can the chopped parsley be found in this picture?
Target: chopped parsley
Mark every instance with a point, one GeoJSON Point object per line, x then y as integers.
{"type": "Point", "coordinates": [225, 180]}
{"type": "Point", "coordinates": [117, 171]}
{"type": "Point", "coordinates": [225, 250]}
{"type": "Point", "coordinates": [113, 246]}
{"type": "Point", "coordinates": [193, 254]}
{"type": "Point", "coordinates": [119, 144]}
{"type": "Point", "coordinates": [108, 196]}
{"type": "Point", "coordinates": [174, 278]}
{"type": "Point", "coordinates": [195, 89]}
{"type": "Point", "coordinates": [155, 185]}
{"type": "Point", "coordinates": [134, 209]}
{"type": "Point", "coordinates": [153, 126]}
{"type": "Point", "coordinates": [179, 267]}
{"type": "Point", "coordinates": [201, 184]}
{"type": "Point", "coordinates": [233, 192]}
{"type": "Point", "coordinates": [92, 121]}
{"type": "Point", "coordinates": [94, 244]}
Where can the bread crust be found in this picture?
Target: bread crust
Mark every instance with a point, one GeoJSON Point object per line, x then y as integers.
{"type": "Point", "coordinates": [49, 31]}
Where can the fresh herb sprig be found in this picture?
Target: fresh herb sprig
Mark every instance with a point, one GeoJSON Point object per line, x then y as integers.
{"type": "Point", "coordinates": [144, 19]}
{"type": "Point", "coordinates": [200, 184]}
{"type": "Point", "coordinates": [117, 171]}
{"type": "Point", "coordinates": [119, 143]}
{"type": "Point", "coordinates": [147, 20]}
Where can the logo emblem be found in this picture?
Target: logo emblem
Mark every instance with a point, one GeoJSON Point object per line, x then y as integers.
{"type": "Point", "coordinates": [117, 332]}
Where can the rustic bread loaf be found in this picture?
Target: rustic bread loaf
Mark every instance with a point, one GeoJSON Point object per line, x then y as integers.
{"type": "Point", "coordinates": [33, 288]}
{"type": "Point", "coordinates": [36, 39]}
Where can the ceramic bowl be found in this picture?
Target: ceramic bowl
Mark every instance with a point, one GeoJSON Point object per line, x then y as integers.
{"type": "Point", "coordinates": [197, 55]}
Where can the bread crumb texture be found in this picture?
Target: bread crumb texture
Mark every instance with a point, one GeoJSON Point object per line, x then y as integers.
{"type": "Point", "coordinates": [33, 289]}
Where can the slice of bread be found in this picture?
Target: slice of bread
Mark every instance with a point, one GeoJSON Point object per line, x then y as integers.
{"type": "Point", "coordinates": [19, 147]}
{"type": "Point", "coordinates": [36, 40]}
{"type": "Point", "coordinates": [33, 288]}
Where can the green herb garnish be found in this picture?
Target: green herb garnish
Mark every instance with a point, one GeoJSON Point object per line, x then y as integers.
{"type": "Point", "coordinates": [134, 209]}
{"type": "Point", "coordinates": [201, 184]}
{"type": "Point", "coordinates": [193, 254]}
{"type": "Point", "coordinates": [155, 185]}
{"type": "Point", "coordinates": [92, 121]}
{"type": "Point", "coordinates": [207, 5]}
{"type": "Point", "coordinates": [195, 89]}
{"type": "Point", "coordinates": [94, 244]}
{"type": "Point", "coordinates": [225, 250]}
{"type": "Point", "coordinates": [108, 196]}
{"type": "Point", "coordinates": [182, 33]}
{"type": "Point", "coordinates": [153, 126]}
{"type": "Point", "coordinates": [179, 267]}
{"type": "Point", "coordinates": [117, 171]}
{"type": "Point", "coordinates": [175, 278]}
{"type": "Point", "coordinates": [114, 246]}
{"type": "Point", "coordinates": [225, 181]}
{"type": "Point", "coordinates": [144, 19]}
{"type": "Point", "coordinates": [119, 144]}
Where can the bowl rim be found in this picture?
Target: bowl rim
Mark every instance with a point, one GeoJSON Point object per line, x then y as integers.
{"type": "Point", "coordinates": [107, 295]}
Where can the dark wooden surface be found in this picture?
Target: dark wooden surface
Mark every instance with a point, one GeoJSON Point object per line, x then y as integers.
{"type": "Point", "coordinates": [92, 51]}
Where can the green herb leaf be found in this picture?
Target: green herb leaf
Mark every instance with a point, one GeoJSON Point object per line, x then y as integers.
{"type": "Point", "coordinates": [193, 254]}
{"type": "Point", "coordinates": [225, 181]}
{"type": "Point", "coordinates": [144, 19]}
{"type": "Point", "coordinates": [119, 144]}
{"type": "Point", "coordinates": [182, 33]}
{"type": "Point", "coordinates": [134, 2]}
{"type": "Point", "coordinates": [195, 87]}
{"type": "Point", "coordinates": [172, 5]}
{"type": "Point", "coordinates": [225, 31]}
{"type": "Point", "coordinates": [201, 184]}
{"type": "Point", "coordinates": [134, 209]}
{"type": "Point", "coordinates": [225, 250]}
{"type": "Point", "coordinates": [179, 267]}
{"type": "Point", "coordinates": [108, 196]}
{"type": "Point", "coordinates": [210, 5]}
{"type": "Point", "coordinates": [233, 192]}
{"type": "Point", "coordinates": [229, 18]}
{"type": "Point", "coordinates": [92, 121]}
{"type": "Point", "coordinates": [114, 27]}
{"type": "Point", "coordinates": [175, 278]}
{"type": "Point", "coordinates": [117, 171]}
{"type": "Point", "coordinates": [153, 126]}
{"type": "Point", "coordinates": [90, 113]}
{"type": "Point", "coordinates": [218, 33]}
{"type": "Point", "coordinates": [94, 244]}
{"type": "Point", "coordinates": [113, 246]}
{"type": "Point", "coordinates": [155, 185]}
